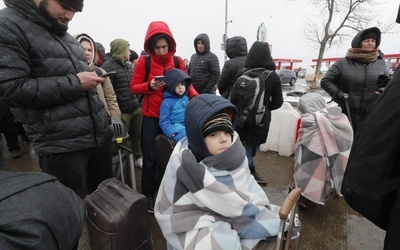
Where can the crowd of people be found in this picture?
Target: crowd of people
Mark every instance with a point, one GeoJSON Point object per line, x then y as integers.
{"type": "Point", "coordinates": [60, 95]}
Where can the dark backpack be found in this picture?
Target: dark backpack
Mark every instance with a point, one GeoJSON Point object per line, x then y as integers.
{"type": "Point", "coordinates": [248, 96]}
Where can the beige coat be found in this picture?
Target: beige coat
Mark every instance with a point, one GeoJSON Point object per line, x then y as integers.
{"type": "Point", "coordinates": [108, 97]}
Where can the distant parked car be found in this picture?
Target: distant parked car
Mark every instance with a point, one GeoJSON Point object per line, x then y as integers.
{"type": "Point", "coordinates": [302, 73]}
{"type": "Point", "coordinates": [287, 76]}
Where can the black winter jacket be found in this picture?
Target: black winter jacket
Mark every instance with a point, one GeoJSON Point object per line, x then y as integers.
{"type": "Point", "coordinates": [204, 67]}
{"type": "Point", "coordinates": [38, 82]}
{"type": "Point", "coordinates": [127, 101]}
{"type": "Point", "coordinates": [236, 50]}
{"type": "Point", "coordinates": [357, 79]}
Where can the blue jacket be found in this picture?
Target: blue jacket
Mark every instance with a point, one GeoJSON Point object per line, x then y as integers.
{"type": "Point", "coordinates": [173, 106]}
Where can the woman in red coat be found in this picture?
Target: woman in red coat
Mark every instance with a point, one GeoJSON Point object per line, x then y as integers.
{"type": "Point", "coordinates": [161, 47]}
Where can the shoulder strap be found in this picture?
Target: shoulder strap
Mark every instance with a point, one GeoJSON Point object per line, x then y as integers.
{"type": "Point", "coordinates": [176, 62]}
{"type": "Point", "coordinates": [266, 73]}
{"type": "Point", "coordinates": [147, 67]}
{"type": "Point", "coordinates": [148, 62]}
{"type": "Point", "coordinates": [260, 95]}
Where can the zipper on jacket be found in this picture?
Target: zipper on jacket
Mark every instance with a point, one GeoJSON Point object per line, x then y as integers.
{"type": "Point", "coordinates": [363, 88]}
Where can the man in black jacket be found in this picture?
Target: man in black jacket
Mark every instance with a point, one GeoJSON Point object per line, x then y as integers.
{"type": "Point", "coordinates": [46, 82]}
{"type": "Point", "coordinates": [204, 66]}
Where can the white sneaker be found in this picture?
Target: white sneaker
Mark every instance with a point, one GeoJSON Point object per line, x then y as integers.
{"type": "Point", "coordinates": [139, 162]}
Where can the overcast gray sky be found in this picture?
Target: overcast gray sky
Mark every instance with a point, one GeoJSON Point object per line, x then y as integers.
{"type": "Point", "coordinates": [106, 20]}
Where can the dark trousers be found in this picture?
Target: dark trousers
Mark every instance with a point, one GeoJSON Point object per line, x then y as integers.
{"type": "Point", "coordinates": [2, 164]}
{"type": "Point", "coordinates": [82, 170]}
{"type": "Point", "coordinates": [9, 129]}
{"type": "Point", "coordinates": [393, 230]}
{"type": "Point", "coordinates": [150, 130]}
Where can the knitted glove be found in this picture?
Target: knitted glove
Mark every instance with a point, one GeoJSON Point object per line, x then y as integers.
{"type": "Point", "coordinates": [382, 82]}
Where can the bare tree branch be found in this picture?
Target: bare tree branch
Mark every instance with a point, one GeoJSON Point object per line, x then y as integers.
{"type": "Point", "coordinates": [335, 21]}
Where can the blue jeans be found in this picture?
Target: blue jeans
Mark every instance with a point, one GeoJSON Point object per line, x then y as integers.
{"type": "Point", "coordinates": [251, 150]}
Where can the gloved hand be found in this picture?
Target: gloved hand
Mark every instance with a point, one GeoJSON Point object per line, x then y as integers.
{"type": "Point", "coordinates": [381, 83]}
{"type": "Point", "coordinates": [338, 96]}
{"type": "Point", "coordinates": [179, 135]}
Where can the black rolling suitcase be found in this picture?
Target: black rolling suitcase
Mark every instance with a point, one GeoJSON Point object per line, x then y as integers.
{"type": "Point", "coordinates": [117, 217]}
{"type": "Point", "coordinates": [164, 148]}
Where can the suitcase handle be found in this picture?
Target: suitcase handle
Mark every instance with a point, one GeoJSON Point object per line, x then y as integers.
{"type": "Point", "coordinates": [119, 187]}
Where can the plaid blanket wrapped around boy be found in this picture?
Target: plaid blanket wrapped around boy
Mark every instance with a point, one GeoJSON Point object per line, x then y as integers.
{"type": "Point", "coordinates": [215, 203]}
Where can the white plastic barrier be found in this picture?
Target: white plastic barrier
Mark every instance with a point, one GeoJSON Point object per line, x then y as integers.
{"type": "Point", "coordinates": [282, 131]}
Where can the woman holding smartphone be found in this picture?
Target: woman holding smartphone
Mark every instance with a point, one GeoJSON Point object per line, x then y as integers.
{"type": "Point", "coordinates": [161, 47]}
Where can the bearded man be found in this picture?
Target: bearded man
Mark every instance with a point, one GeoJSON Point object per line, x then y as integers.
{"type": "Point", "coordinates": [46, 82]}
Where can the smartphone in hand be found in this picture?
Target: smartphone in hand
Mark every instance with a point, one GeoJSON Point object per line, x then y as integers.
{"type": "Point", "coordinates": [159, 78]}
{"type": "Point", "coordinates": [108, 74]}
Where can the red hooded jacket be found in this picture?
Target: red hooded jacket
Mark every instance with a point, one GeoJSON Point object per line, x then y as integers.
{"type": "Point", "coordinates": [159, 65]}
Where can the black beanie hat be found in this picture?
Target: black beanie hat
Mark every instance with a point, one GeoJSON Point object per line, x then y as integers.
{"type": "Point", "coordinates": [76, 4]}
{"type": "Point", "coordinates": [133, 55]}
{"type": "Point", "coordinates": [218, 122]}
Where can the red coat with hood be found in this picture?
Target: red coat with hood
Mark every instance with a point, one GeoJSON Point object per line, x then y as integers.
{"type": "Point", "coordinates": [159, 65]}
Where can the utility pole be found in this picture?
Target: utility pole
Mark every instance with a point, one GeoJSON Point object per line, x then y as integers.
{"type": "Point", "coordinates": [226, 29]}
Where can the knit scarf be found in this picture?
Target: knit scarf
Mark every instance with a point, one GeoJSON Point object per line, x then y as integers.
{"type": "Point", "coordinates": [362, 55]}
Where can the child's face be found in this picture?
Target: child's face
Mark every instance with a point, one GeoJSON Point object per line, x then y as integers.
{"type": "Point", "coordinates": [180, 89]}
{"type": "Point", "coordinates": [218, 142]}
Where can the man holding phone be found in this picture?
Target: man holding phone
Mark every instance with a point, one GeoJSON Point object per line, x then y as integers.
{"type": "Point", "coordinates": [49, 87]}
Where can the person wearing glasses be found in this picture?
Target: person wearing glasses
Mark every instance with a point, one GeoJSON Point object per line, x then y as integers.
{"type": "Point", "coordinates": [160, 45]}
